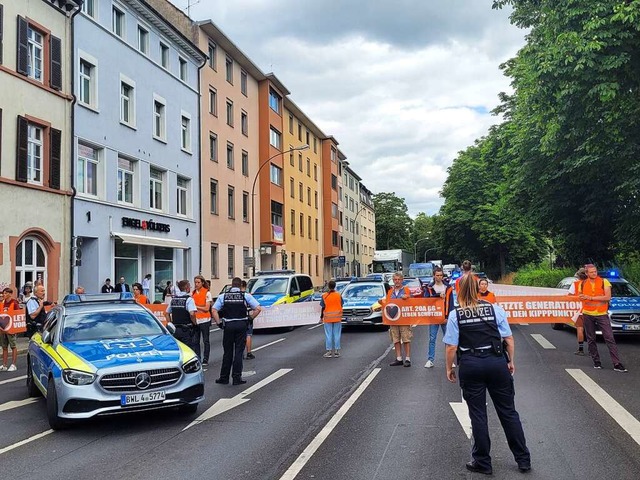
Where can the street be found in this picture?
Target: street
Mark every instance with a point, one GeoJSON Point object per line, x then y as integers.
{"type": "Point", "coordinates": [406, 423]}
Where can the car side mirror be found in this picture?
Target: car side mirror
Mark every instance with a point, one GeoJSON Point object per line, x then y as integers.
{"type": "Point", "coordinates": [295, 293]}
{"type": "Point", "coordinates": [171, 327]}
{"type": "Point", "coordinates": [46, 336]}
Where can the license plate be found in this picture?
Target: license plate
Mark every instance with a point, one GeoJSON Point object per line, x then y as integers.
{"type": "Point", "coordinates": [146, 397]}
{"type": "Point", "coordinates": [354, 320]}
{"type": "Point", "coordinates": [631, 327]}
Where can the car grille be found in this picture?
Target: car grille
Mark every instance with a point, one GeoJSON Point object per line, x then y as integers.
{"type": "Point", "coordinates": [356, 312]}
{"type": "Point", "coordinates": [625, 317]}
{"type": "Point", "coordinates": [125, 382]}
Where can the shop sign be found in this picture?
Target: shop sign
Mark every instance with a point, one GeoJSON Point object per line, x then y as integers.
{"type": "Point", "coordinates": [145, 225]}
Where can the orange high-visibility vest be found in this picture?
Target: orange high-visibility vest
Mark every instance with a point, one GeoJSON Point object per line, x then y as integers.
{"type": "Point", "coordinates": [488, 297]}
{"type": "Point", "coordinates": [593, 289]}
{"type": "Point", "coordinates": [332, 307]}
{"type": "Point", "coordinates": [200, 299]}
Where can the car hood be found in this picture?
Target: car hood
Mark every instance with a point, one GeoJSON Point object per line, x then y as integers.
{"type": "Point", "coordinates": [267, 299]}
{"type": "Point", "coordinates": [625, 303]}
{"type": "Point", "coordinates": [360, 302]}
{"type": "Point", "coordinates": [126, 351]}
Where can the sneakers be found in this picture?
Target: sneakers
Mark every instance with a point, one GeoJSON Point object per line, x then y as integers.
{"type": "Point", "coordinates": [618, 368]}
{"type": "Point", "coordinates": [597, 365]}
{"type": "Point", "coordinates": [12, 368]}
{"type": "Point", "coordinates": [238, 381]}
{"type": "Point", "coordinates": [3, 368]}
{"type": "Point", "coordinates": [429, 364]}
{"type": "Point", "coordinates": [250, 356]}
{"type": "Point", "coordinates": [396, 363]}
{"type": "Point", "coordinates": [329, 354]}
{"type": "Point", "coordinates": [579, 352]}
{"type": "Point", "coordinates": [222, 381]}
{"type": "Point", "coordinates": [205, 363]}
{"type": "Point", "coordinates": [336, 353]}
{"type": "Point", "coordinates": [407, 363]}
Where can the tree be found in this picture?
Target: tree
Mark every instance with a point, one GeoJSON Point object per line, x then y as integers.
{"type": "Point", "coordinates": [393, 224]}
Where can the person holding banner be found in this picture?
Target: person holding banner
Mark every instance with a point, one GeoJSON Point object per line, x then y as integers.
{"type": "Point", "coordinates": [249, 355]}
{"type": "Point", "coordinates": [202, 298]}
{"type": "Point", "coordinates": [476, 331]}
{"type": "Point", "coordinates": [483, 291]}
{"type": "Point", "coordinates": [331, 315]}
{"type": "Point", "coordinates": [581, 274]}
{"type": "Point", "coordinates": [9, 304]}
{"type": "Point", "coordinates": [400, 334]}
{"type": "Point", "coordinates": [438, 288]}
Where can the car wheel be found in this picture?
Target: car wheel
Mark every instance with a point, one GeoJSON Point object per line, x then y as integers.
{"type": "Point", "coordinates": [557, 326]}
{"type": "Point", "coordinates": [55, 422]}
{"type": "Point", "coordinates": [189, 408]}
{"type": "Point", "coordinates": [32, 390]}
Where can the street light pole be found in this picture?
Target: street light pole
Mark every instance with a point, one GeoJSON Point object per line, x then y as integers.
{"type": "Point", "coordinates": [427, 251]}
{"type": "Point", "coordinates": [415, 248]}
{"type": "Point", "coordinates": [253, 188]}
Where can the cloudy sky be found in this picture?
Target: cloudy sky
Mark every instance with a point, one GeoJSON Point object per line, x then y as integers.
{"type": "Point", "coordinates": [402, 85]}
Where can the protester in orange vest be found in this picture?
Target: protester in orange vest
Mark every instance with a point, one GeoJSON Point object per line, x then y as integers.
{"type": "Point", "coordinates": [483, 291]}
{"type": "Point", "coordinates": [400, 334]}
{"type": "Point", "coordinates": [203, 300]}
{"type": "Point", "coordinates": [137, 294]}
{"type": "Point", "coordinates": [595, 293]}
{"type": "Point", "coordinates": [579, 323]}
{"type": "Point", "coordinates": [331, 315]}
{"type": "Point", "coordinates": [467, 268]}
{"type": "Point", "coordinates": [9, 304]}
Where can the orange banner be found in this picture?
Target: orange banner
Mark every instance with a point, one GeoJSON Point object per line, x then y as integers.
{"type": "Point", "coordinates": [159, 310]}
{"type": "Point", "coordinates": [16, 321]}
{"type": "Point", "coordinates": [413, 311]}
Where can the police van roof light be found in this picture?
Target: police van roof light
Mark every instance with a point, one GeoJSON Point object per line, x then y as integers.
{"type": "Point", "coordinates": [96, 297]}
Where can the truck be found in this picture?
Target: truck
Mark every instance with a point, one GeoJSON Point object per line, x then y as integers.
{"type": "Point", "coordinates": [423, 271]}
{"type": "Point", "coordinates": [436, 263]}
{"type": "Point", "coordinates": [391, 261]}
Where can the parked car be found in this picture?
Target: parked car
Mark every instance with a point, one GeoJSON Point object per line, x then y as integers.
{"type": "Point", "coordinates": [340, 284]}
{"type": "Point", "coordinates": [415, 286]}
{"type": "Point", "coordinates": [361, 302]}
{"type": "Point", "coordinates": [280, 286]}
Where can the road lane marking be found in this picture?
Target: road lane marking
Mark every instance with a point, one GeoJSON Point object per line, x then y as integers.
{"type": "Point", "coordinates": [622, 417]}
{"type": "Point", "coordinates": [308, 452]}
{"type": "Point", "coordinates": [267, 345]}
{"type": "Point", "coordinates": [13, 379]}
{"type": "Point", "coordinates": [526, 324]}
{"type": "Point", "coordinates": [544, 343]}
{"type": "Point", "coordinates": [16, 403]}
{"type": "Point", "coordinates": [315, 326]}
{"type": "Point", "coordinates": [225, 404]}
{"type": "Point", "coordinates": [213, 330]}
{"type": "Point", "coordinates": [461, 410]}
{"type": "Point", "coordinates": [24, 442]}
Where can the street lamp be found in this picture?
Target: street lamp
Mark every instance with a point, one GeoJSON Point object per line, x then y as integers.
{"type": "Point", "coordinates": [415, 248]}
{"type": "Point", "coordinates": [353, 247]}
{"type": "Point", "coordinates": [427, 251]}
{"type": "Point", "coordinates": [253, 188]}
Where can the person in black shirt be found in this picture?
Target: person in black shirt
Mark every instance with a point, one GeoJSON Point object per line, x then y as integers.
{"type": "Point", "coordinates": [107, 287]}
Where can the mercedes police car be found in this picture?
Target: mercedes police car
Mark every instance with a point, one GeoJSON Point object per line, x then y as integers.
{"type": "Point", "coordinates": [106, 354]}
{"type": "Point", "coordinates": [276, 287]}
{"type": "Point", "coordinates": [624, 307]}
{"type": "Point", "coordinates": [360, 302]}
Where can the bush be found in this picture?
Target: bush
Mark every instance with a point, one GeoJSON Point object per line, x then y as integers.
{"type": "Point", "coordinates": [541, 276]}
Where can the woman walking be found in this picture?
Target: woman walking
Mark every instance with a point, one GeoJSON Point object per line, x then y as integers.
{"type": "Point", "coordinates": [331, 315]}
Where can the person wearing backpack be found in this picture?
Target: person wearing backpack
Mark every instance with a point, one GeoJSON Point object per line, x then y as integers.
{"type": "Point", "coordinates": [331, 315]}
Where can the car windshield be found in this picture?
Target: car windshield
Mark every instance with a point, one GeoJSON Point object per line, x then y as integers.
{"type": "Point", "coordinates": [421, 272]}
{"type": "Point", "coordinates": [95, 325]}
{"type": "Point", "coordinates": [620, 289]}
{"type": "Point", "coordinates": [362, 291]}
{"type": "Point", "coordinates": [268, 286]}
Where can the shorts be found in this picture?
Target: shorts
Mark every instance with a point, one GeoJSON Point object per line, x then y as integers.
{"type": "Point", "coordinates": [401, 333]}
{"type": "Point", "coordinates": [8, 340]}
{"type": "Point", "coordinates": [249, 329]}
{"type": "Point", "coordinates": [579, 322]}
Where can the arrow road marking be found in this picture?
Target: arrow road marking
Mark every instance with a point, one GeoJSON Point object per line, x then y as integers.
{"type": "Point", "coordinates": [544, 343]}
{"type": "Point", "coordinates": [16, 403]}
{"type": "Point", "coordinates": [225, 404]}
{"type": "Point", "coordinates": [13, 379]}
{"type": "Point", "coordinates": [24, 442]}
{"type": "Point", "coordinates": [622, 417]}
{"type": "Point", "coordinates": [461, 409]}
{"type": "Point", "coordinates": [267, 344]}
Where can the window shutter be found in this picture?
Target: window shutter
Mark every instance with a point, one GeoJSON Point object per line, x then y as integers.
{"type": "Point", "coordinates": [23, 46]}
{"type": "Point", "coordinates": [21, 157]}
{"type": "Point", "coordinates": [54, 158]}
{"type": "Point", "coordinates": [1, 29]}
{"type": "Point", "coordinates": [55, 80]}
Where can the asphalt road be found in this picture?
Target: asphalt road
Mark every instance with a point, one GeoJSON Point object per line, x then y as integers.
{"type": "Point", "coordinates": [354, 417]}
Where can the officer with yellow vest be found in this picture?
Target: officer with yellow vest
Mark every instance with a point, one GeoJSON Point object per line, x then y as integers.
{"type": "Point", "coordinates": [331, 314]}
{"type": "Point", "coordinates": [595, 293]}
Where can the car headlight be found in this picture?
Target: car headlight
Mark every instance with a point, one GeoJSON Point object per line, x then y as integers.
{"type": "Point", "coordinates": [192, 366]}
{"type": "Point", "coordinates": [75, 377]}
{"type": "Point", "coordinates": [376, 307]}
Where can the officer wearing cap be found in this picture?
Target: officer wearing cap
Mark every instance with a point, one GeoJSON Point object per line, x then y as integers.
{"type": "Point", "coordinates": [233, 307]}
{"type": "Point", "coordinates": [475, 332]}
{"type": "Point", "coordinates": [182, 313]}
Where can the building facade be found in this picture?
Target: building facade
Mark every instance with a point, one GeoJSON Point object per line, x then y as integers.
{"type": "Point", "coordinates": [330, 208]}
{"type": "Point", "coordinates": [137, 146]}
{"type": "Point", "coordinates": [35, 142]}
{"type": "Point", "coordinates": [352, 218]}
{"type": "Point", "coordinates": [367, 229]}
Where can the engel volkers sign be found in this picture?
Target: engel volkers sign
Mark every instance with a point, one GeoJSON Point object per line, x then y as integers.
{"type": "Point", "coordinates": [145, 225]}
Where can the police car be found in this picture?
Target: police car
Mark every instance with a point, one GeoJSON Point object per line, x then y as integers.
{"type": "Point", "coordinates": [340, 284]}
{"type": "Point", "coordinates": [276, 287]}
{"type": "Point", "coordinates": [106, 354]}
{"type": "Point", "coordinates": [361, 302]}
{"type": "Point", "coordinates": [624, 307]}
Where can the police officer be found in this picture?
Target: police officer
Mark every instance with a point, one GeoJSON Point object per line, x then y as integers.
{"type": "Point", "coordinates": [36, 313]}
{"type": "Point", "coordinates": [233, 307]}
{"type": "Point", "coordinates": [182, 313]}
{"type": "Point", "coordinates": [476, 331]}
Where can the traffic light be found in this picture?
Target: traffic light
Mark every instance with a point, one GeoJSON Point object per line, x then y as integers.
{"type": "Point", "coordinates": [284, 260]}
{"type": "Point", "coordinates": [77, 251]}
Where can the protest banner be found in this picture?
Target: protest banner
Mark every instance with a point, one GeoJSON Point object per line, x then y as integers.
{"type": "Point", "coordinates": [413, 311]}
{"type": "Point", "coordinates": [288, 315]}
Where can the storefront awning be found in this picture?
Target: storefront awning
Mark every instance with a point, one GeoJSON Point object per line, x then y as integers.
{"type": "Point", "coordinates": [152, 241]}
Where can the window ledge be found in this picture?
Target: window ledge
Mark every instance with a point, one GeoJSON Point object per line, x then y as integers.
{"type": "Point", "coordinates": [189, 152]}
{"type": "Point", "coordinates": [128, 125]}
{"type": "Point", "coordinates": [160, 139]}
{"type": "Point", "coordinates": [88, 107]}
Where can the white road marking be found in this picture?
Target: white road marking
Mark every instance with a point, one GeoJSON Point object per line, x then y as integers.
{"type": "Point", "coordinates": [16, 403]}
{"type": "Point", "coordinates": [461, 410]}
{"type": "Point", "coordinates": [308, 452]}
{"type": "Point", "coordinates": [213, 330]}
{"type": "Point", "coordinates": [544, 343]}
{"type": "Point", "coordinates": [315, 326]}
{"type": "Point", "coordinates": [24, 442]}
{"type": "Point", "coordinates": [225, 404]}
{"type": "Point", "coordinates": [13, 379]}
{"type": "Point", "coordinates": [622, 417]}
{"type": "Point", "coordinates": [524, 324]}
{"type": "Point", "coordinates": [267, 345]}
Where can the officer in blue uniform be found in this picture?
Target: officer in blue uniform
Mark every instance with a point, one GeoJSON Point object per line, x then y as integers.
{"type": "Point", "coordinates": [233, 307]}
{"type": "Point", "coordinates": [182, 313]}
{"type": "Point", "coordinates": [475, 333]}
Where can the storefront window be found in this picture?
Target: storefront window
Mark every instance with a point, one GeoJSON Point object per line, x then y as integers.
{"type": "Point", "coordinates": [162, 270]}
{"type": "Point", "coordinates": [126, 262]}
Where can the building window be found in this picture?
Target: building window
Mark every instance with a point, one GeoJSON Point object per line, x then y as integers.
{"type": "Point", "coordinates": [87, 170]}
{"type": "Point", "coordinates": [155, 188]}
{"type": "Point", "coordinates": [316, 231]}
{"type": "Point", "coordinates": [334, 182]}
{"type": "Point", "coordinates": [214, 260]}
{"type": "Point", "coordinates": [300, 161]}
{"type": "Point", "coordinates": [35, 55]}
{"type": "Point", "coordinates": [293, 222]}
{"type": "Point", "coordinates": [291, 160]}
{"type": "Point", "coordinates": [245, 163]}
{"type": "Point", "coordinates": [293, 260]}
{"type": "Point", "coordinates": [291, 124]}
{"type": "Point", "coordinates": [229, 69]}
{"type": "Point", "coordinates": [334, 155]}
{"type": "Point", "coordinates": [31, 261]}
{"type": "Point", "coordinates": [315, 145]}
{"type": "Point", "coordinates": [275, 138]}
{"type": "Point", "coordinates": [302, 263]}
{"type": "Point", "coordinates": [164, 55]}
{"type": "Point", "coordinates": [213, 147]}
{"type": "Point", "coordinates": [127, 104]}
{"type": "Point", "coordinates": [275, 101]}
{"type": "Point", "coordinates": [229, 113]}
{"type": "Point", "coordinates": [182, 195]}
{"type": "Point", "coordinates": [244, 123]}
{"type": "Point", "coordinates": [231, 209]}
{"type": "Point", "coordinates": [292, 188]}
{"type": "Point", "coordinates": [276, 213]}
{"type": "Point", "coordinates": [309, 231]}
{"type": "Point", "coordinates": [300, 190]}
{"type": "Point", "coordinates": [159, 119]}
{"type": "Point", "coordinates": [185, 133]}
{"type": "Point", "coordinates": [117, 22]}
{"type": "Point", "coordinates": [231, 254]}
{"type": "Point", "coordinates": [125, 180]}
{"type": "Point", "coordinates": [212, 55]}
{"type": "Point", "coordinates": [34, 154]}
{"type": "Point", "coordinates": [308, 142]}
{"type": "Point", "coordinates": [302, 224]}
{"type": "Point", "coordinates": [88, 8]}
{"type": "Point", "coordinates": [87, 84]}
{"type": "Point", "coordinates": [308, 168]}
{"type": "Point", "coordinates": [245, 206]}
{"type": "Point", "coordinates": [143, 40]}
{"type": "Point", "coordinates": [299, 132]}
{"type": "Point", "coordinates": [276, 175]}
{"type": "Point", "coordinates": [243, 82]}
{"type": "Point", "coordinates": [309, 196]}
{"type": "Point", "coordinates": [213, 102]}
{"type": "Point", "coordinates": [334, 210]}
{"type": "Point", "coordinates": [230, 156]}
{"type": "Point", "coordinates": [315, 172]}
{"type": "Point", "coordinates": [183, 69]}
{"type": "Point", "coordinates": [316, 199]}
{"type": "Point", "coordinates": [213, 195]}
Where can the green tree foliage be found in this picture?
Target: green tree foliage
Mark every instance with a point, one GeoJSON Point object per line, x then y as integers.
{"type": "Point", "coordinates": [393, 224]}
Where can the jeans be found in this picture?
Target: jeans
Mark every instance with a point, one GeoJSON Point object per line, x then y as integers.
{"type": "Point", "coordinates": [203, 331]}
{"type": "Point", "coordinates": [332, 332]}
{"type": "Point", "coordinates": [433, 336]}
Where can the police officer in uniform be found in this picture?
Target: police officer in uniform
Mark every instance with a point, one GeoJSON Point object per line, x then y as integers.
{"type": "Point", "coordinates": [36, 313]}
{"type": "Point", "coordinates": [182, 313]}
{"type": "Point", "coordinates": [476, 331]}
{"type": "Point", "coordinates": [233, 307]}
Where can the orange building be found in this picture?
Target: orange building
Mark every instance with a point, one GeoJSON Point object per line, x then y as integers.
{"type": "Point", "coordinates": [330, 210]}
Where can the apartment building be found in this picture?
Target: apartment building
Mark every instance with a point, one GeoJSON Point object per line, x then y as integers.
{"type": "Point", "coordinates": [332, 237]}
{"type": "Point", "coordinates": [367, 229]}
{"type": "Point", "coordinates": [352, 217]}
{"type": "Point", "coordinates": [35, 142]}
{"type": "Point", "coordinates": [137, 139]}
